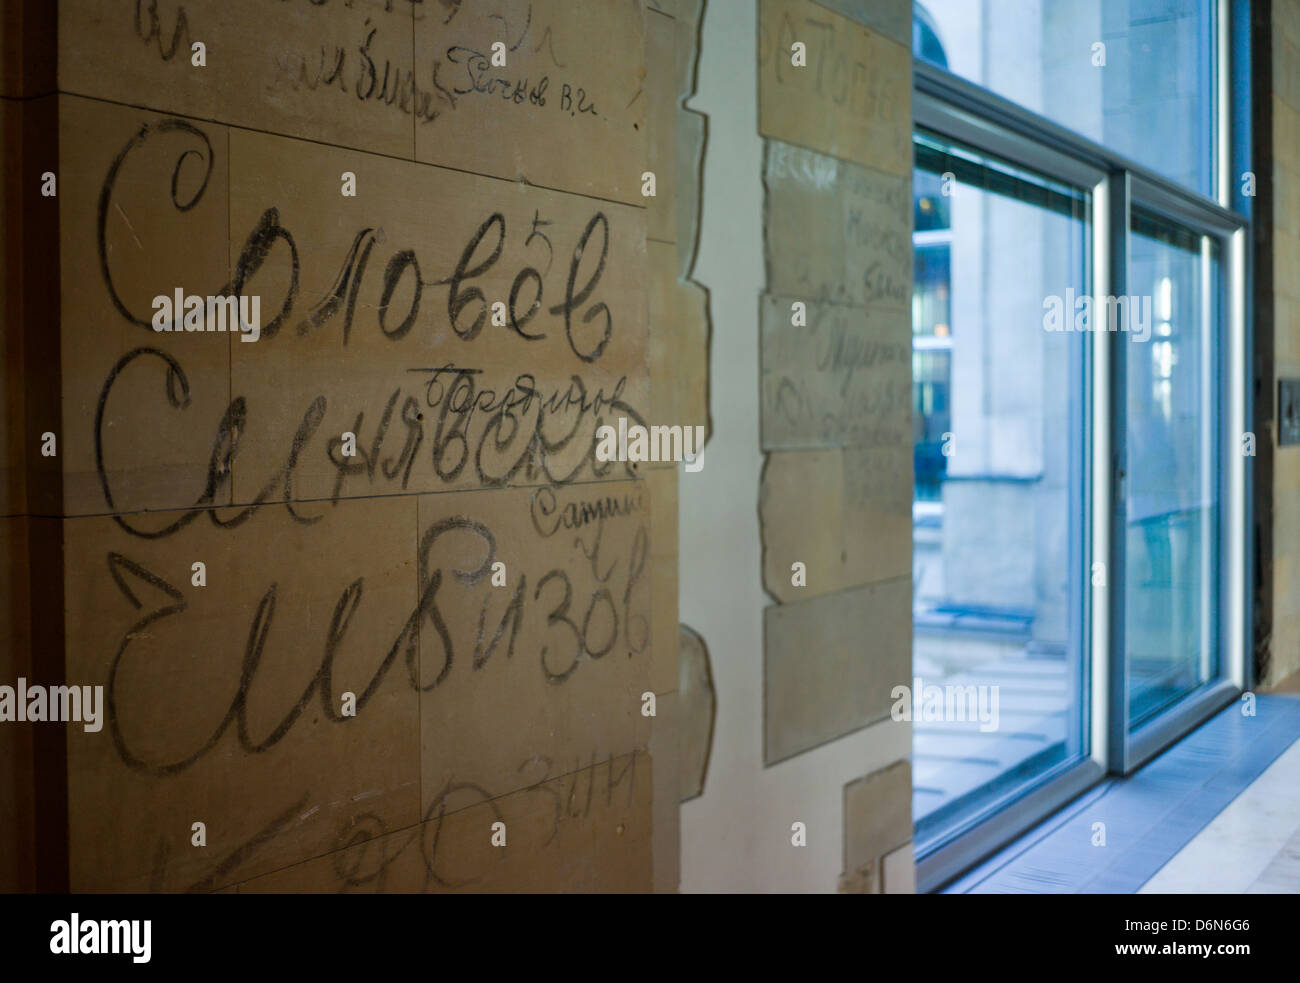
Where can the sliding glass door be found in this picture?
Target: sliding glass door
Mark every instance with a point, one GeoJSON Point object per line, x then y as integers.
{"type": "Point", "coordinates": [1082, 448]}
{"type": "Point", "coordinates": [1000, 444]}
{"type": "Point", "coordinates": [1180, 445]}
{"type": "Point", "coordinates": [1171, 487]}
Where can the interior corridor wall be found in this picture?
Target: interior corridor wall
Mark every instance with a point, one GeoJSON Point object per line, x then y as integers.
{"type": "Point", "coordinates": [737, 835]}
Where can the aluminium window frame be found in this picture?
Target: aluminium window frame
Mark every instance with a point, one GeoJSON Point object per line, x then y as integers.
{"type": "Point", "coordinates": [956, 109]}
{"type": "Point", "coordinates": [1131, 748]}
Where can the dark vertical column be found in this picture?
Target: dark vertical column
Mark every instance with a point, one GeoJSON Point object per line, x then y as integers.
{"type": "Point", "coordinates": [34, 482]}
{"type": "Point", "coordinates": [1261, 158]}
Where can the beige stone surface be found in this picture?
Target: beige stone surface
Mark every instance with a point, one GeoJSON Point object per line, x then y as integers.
{"type": "Point", "coordinates": [224, 702]}
{"type": "Point", "coordinates": [846, 514]}
{"type": "Point", "coordinates": [829, 664]}
{"type": "Point", "coordinates": [546, 673]}
{"type": "Point", "coordinates": [837, 232]}
{"type": "Point", "coordinates": [437, 389]}
{"type": "Point", "coordinates": [863, 880]}
{"type": "Point", "coordinates": [853, 97]}
{"type": "Point", "coordinates": [141, 408]}
{"type": "Point", "coordinates": [305, 74]}
{"type": "Point", "coordinates": [568, 110]}
{"type": "Point", "coordinates": [834, 376]}
{"type": "Point", "coordinates": [878, 816]}
{"type": "Point", "coordinates": [661, 39]}
{"type": "Point", "coordinates": [665, 756]}
{"type": "Point", "coordinates": [326, 573]}
{"type": "Point", "coordinates": [588, 831]}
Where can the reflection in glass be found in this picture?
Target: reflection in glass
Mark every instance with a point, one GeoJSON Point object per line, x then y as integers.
{"type": "Point", "coordinates": [1171, 481]}
{"type": "Point", "coordinates": [998, 456]}
{"type": "Point", "coordinates": [1134, 76]}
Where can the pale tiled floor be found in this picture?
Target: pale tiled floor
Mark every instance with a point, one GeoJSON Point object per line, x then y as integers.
{"type": "Point", "coordinates": [1219, 811]}
{"type": "Point", "coordinates": [1252, 847]}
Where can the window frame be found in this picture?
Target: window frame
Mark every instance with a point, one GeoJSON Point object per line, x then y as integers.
{"type": "Point", "coordinates": [958, 110]}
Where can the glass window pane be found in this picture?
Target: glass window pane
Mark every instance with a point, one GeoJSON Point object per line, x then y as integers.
{"type": "Point", "coordinates": [1136, 76]}
{"type": "Point", "coordinates": [1171, 482]}
{"type": "Point", "coordinates": [998, 430]}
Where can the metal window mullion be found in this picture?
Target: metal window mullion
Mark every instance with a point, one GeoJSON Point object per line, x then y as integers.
{"type": "Point", "coordinates": [988, 120]}
{"type": "Point", "coordinates": [1239, 408]}
{"type": "Point", "coordinates": [1112, 407]}
{"type": "Point", "coordinates": [1222, 69]}
{"type": "Point", "coordinates": [1097, 484]}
